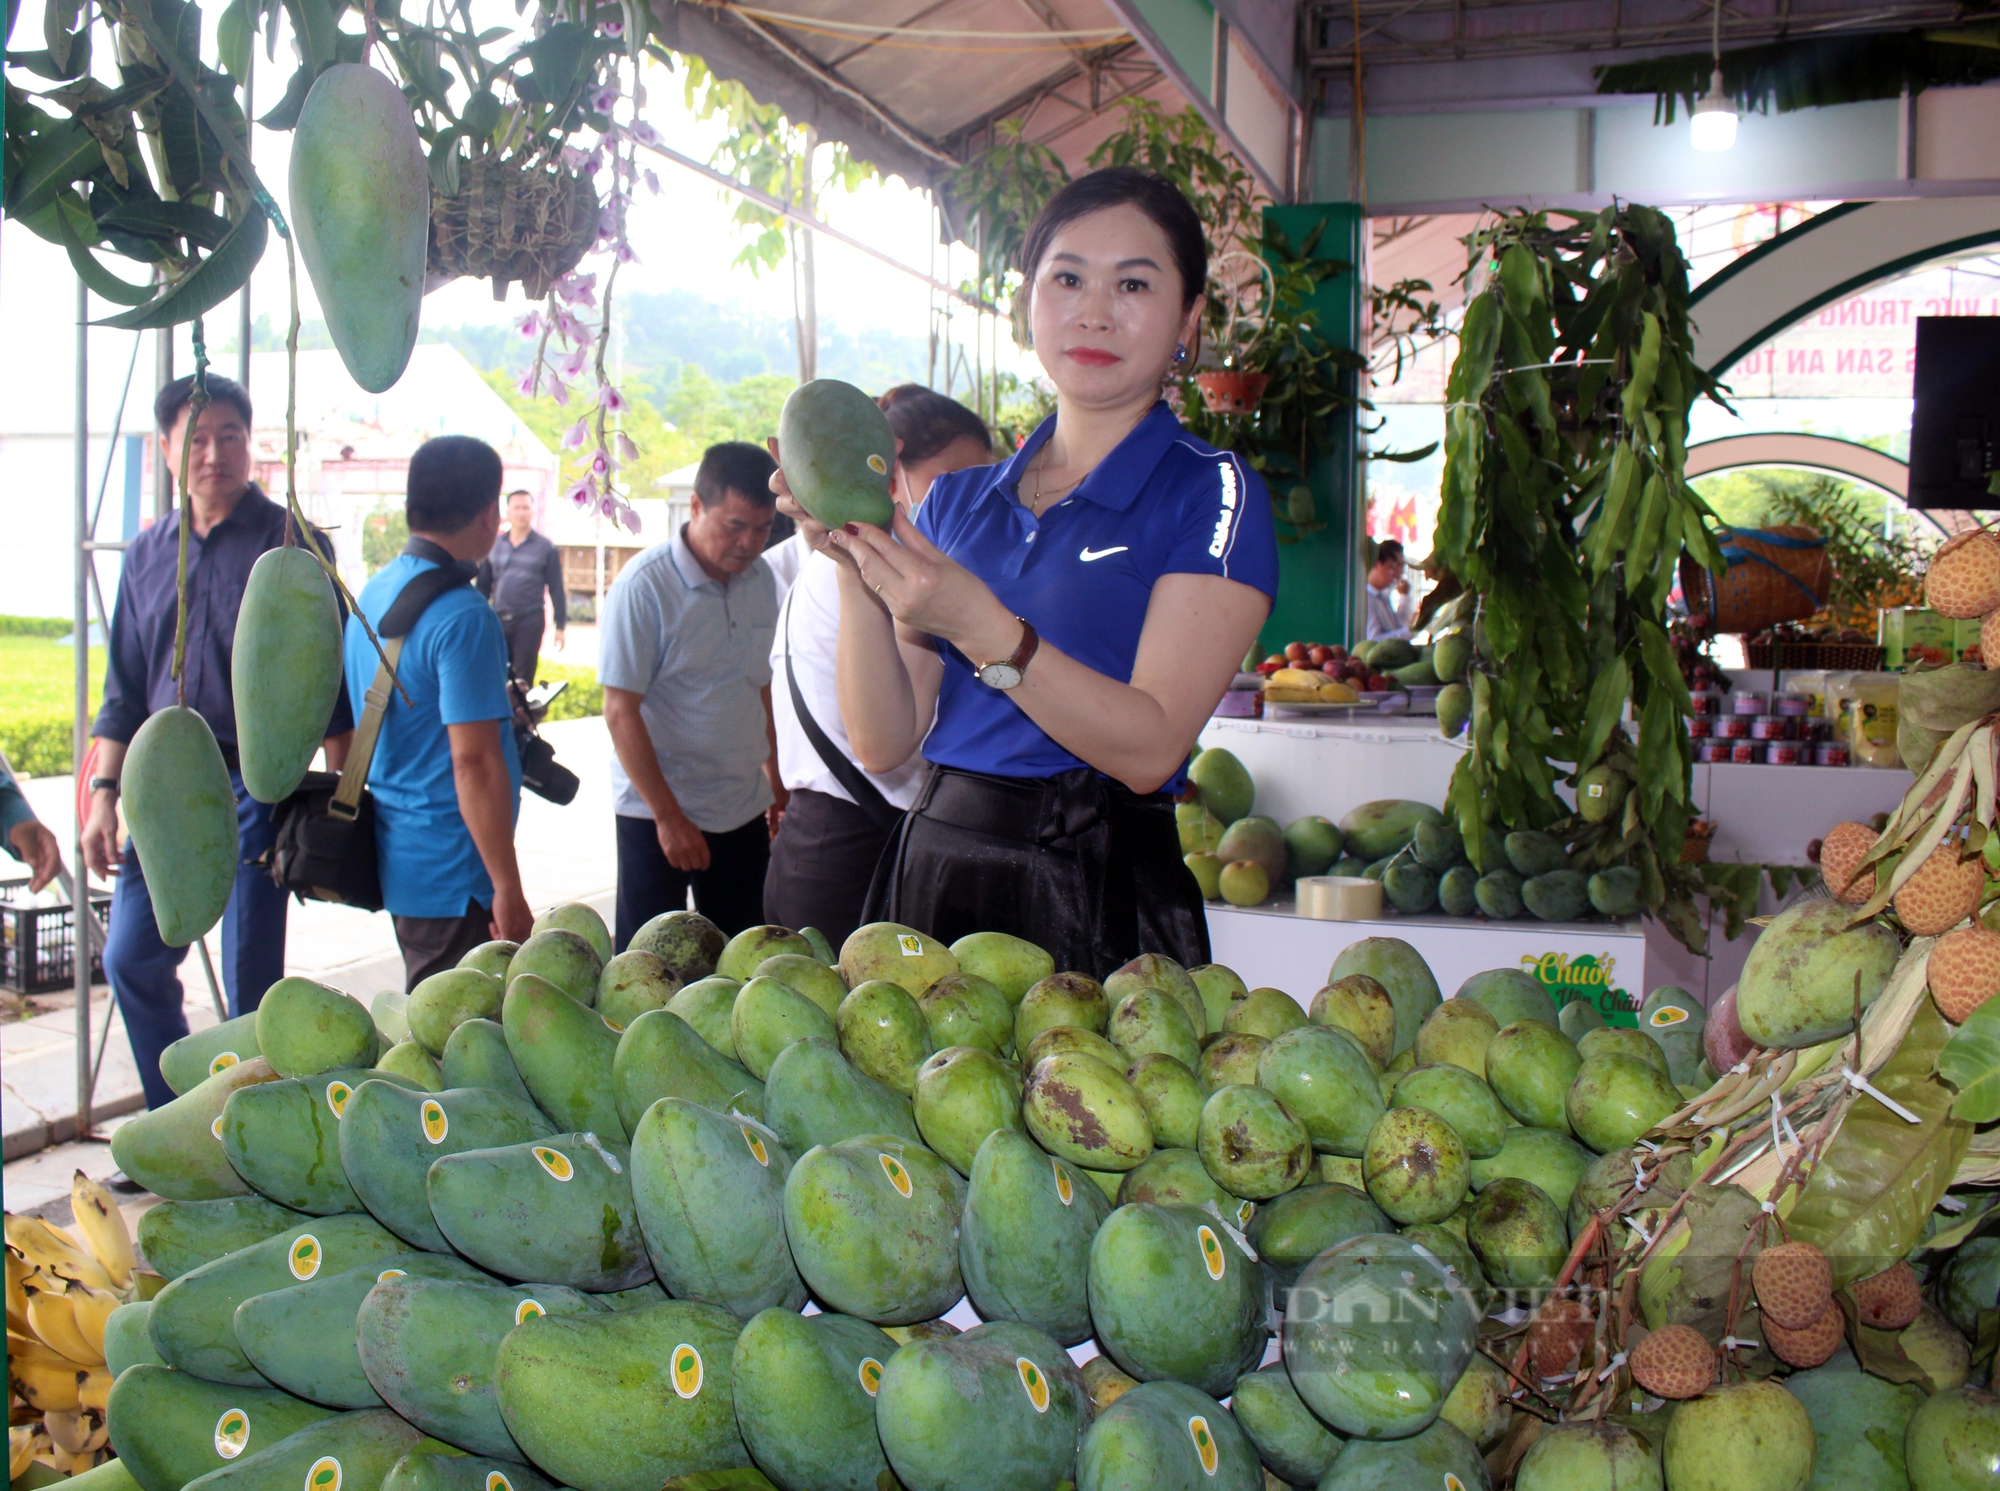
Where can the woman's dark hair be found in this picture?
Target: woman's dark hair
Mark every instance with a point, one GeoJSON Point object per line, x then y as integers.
{"type": "Point", "coordinates": [453, 481]}
{"type": "Point", "coordinates": [926, 422]}
{"type": "Point", "coordinates": [1117, 186]}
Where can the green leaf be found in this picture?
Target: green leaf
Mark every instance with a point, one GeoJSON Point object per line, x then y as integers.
{"type": "Point", "coordinates": [235, 36]}
{"type": "Point", "coordinates": [100, 280]}
{"type": "Point", "coordinates": [1970, 1062]}
{"type": "Point", "coordinates": [1946, 698]}
{"type": "Point", "coordinates": [209, 283]}
{"type": "Point", "coordinates": [66, 153]}
{"type": "Point", "coordinates": [1866, 1203]}
{"type": "Point", "coordinates": [153, 218]}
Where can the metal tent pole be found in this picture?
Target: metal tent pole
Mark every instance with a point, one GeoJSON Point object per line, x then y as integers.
{"type": "Point", "coordinates": [79, 738]}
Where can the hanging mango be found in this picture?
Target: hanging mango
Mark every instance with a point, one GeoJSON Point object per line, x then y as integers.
{"type": "Point", "coordinates": [284, 670]}
{"type": "Point", "coordinates": [182, 814]}
{"type": "Point", "coordinates": [361, 204]}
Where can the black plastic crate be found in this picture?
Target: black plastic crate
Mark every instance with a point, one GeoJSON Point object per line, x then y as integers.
{"type": "Point", "coordinates": [38, 943]}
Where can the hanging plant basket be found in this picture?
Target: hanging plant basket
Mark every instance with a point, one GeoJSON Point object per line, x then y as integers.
{"type": "Point", "coordinates": [1231, 390]}
{"type": "Point", "coordinates": [510, 221]}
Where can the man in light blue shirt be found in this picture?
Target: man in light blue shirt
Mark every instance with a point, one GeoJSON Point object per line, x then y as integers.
{"type": "Point", "coordinates": [684, 657]}
{"type": "Point", "coordinates": [445, 774]}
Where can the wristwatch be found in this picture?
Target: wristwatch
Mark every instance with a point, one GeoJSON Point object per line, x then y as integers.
{"type": "Point", "coordinates": [1008, 674]}
{"type": "Point", "coordinates": [104, 784]}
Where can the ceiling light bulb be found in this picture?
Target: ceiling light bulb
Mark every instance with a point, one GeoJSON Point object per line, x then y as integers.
{"type": "Point", "coordinates": [1714, 121]}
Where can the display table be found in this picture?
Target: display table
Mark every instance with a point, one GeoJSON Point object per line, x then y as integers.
{"type": "Point", "coordinates": [1330, 765]}
{"type": "Point", "coordinates": [1271, 946]}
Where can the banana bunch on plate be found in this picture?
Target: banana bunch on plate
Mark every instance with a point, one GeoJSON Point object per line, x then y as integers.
{"type": "Point", "coordinates": [1306, 686]}
{"type": "Point", "coordinates": [60, 1292]}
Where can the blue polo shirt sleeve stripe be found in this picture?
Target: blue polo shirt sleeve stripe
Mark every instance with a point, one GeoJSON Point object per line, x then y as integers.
{"type": "Point", "coordinates": [1083, 573]}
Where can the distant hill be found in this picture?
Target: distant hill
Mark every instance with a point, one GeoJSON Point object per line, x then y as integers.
{"type": "Point", "coordinates": [667, 331]}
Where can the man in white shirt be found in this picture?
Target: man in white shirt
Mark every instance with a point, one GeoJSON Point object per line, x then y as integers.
{"type": "Point", "coordinates": [684, 657]}
{"type": "Point", "coordinates": [1388, 593]}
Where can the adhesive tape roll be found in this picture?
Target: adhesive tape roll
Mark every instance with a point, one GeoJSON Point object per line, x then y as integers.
{"type": "Point", "coordinates": [1340, 898]}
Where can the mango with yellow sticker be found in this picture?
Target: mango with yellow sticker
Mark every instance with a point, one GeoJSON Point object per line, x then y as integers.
{"type": "Point", "coordinates": [1024, 1245]}
{"type": "Point", "coordinates": [560, 1209]}
{"type": "Point", "coordinates": [660, 1380]}
{"type": "Point", "coordinates": [709, 1190]}
{"type": "Point", "coordinates": [192, 1321]}
{"type": "Point", "coordinates": [302, 1338]}
{"type": "Point", "coordinates": [348, 1452]}
{"type": "Point", "coordinates": [1167, 1436]}
{"type": "Point", "coordinates": [421, 1471]}
{"type": "Point", "coordinates": [1175, 1292]}
{"type": "Point", "coordinates": [805, 1399]}
{"type": "Point", "coordinates": [391, 1135]}
{"type": "Point", "coordinates": [176, 1151]}
{"type": "Point", "coordinates": [428, 1346]}
{"type": "Point", "coordinates": [837, 449]}
{"type": "Point", "coordinates": [178, 1237]}
{"type": "Point", "coordinates": [196, 1057]}
{"type": "Point", "coordinates": [284, 1138]}
{"type": "Point", "coordinates": [999, 1406]}
{"type": "Point", "coordinates": [169, 1428]}
{"type": "Point", "coordinates": [873, 1225]}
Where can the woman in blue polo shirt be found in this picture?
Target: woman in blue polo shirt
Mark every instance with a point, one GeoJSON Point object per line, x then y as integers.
{"type": "Point", "coordinates": [1055, 630]}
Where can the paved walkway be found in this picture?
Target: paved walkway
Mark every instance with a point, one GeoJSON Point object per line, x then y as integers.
{"type": "Point", "coordinates": [567, 854]}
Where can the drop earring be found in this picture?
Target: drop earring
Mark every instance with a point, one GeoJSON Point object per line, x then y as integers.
{"type": "Point", "coordinates": [1180, 353]}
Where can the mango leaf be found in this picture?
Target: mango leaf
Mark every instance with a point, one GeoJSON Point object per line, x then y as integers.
{"type": "Point", "coordinates": [65, 153]}
{"type": "Point", "coordinates": [1692, 1287]}
{"type": "Point", "coordinates": [1945, 698]}
{"type": "Point", "coordinates": [315, 26]}
{"type": "Point", "coordinates": [235, 35]}
{"type": "Point", "coordinates": [285, 113]}
{"type": "Point", "coordinates": [1949, 1234]}
{"type": "Point", "coordinates": [101, 281]}
{"type": "Point", "coordinates": [153, 218]}
{"type": "Point", "coordinates": [1881, 1352]}
{"type": "Point", "coordinates": [209, 283]}
{"type": "Point", "coordinates": [1876, 1183]}
{"type": "Point", "coordinates": [1970, 1062]}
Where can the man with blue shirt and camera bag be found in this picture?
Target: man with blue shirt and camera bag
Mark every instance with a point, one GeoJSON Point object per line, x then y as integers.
{"type": "Point", "coordinates": [446, 772]}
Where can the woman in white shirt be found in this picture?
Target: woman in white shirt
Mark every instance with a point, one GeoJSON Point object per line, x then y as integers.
{"type": "Point", "coordinates": [840, 817]}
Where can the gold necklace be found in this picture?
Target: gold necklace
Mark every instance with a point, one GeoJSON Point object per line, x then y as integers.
{"type": "Point", "coordinates": [1067, 486]}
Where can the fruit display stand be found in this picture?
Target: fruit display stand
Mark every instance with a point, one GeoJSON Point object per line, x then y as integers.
{"type": "Point", "coordinates": [1302, 765]}
{"type": "Point", "coordinates": [1272, 946]}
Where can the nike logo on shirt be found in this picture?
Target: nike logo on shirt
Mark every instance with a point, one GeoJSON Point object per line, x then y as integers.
{"type": "Point", "coordinates": [1089, 554]}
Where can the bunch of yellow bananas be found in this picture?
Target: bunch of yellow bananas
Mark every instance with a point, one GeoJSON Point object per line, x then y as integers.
{"type": "Point", "coordinates": [60, 1293]}
{"type": "Point", "coordinates": [1302, 686]}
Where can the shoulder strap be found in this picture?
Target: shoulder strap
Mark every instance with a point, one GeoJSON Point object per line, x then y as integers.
{"type": "Point", "coordinates": [397, 622]}
{"type": "Point", "coordinates": [346, 802]}
{"type": "Point", "coordinates": [867, 796]}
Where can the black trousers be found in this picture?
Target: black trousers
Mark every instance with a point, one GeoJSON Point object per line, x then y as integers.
{"type": "Point", "coordinates": [821, 862]}
{"type": "Point", "coordinates": [523, 630]}
{"type": "Point", "coordinates": [1084, 868]}
{"type": "Point", "coordinates": [431, 944]}
{"type": "Point", "coordinates": [730, 892]}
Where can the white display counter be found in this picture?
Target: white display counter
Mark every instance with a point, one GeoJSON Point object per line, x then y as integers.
{"type": "Point", "coordinates": [1270, 946]}
{"type": "Point", "coordinates": [1328, 766]}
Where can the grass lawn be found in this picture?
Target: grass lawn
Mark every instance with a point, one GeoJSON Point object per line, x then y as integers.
{"type": "Point", "coordinates": [37, 698]}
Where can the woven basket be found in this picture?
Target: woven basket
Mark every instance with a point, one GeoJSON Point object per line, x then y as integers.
{"type": "Point", "coordinates": [1694, 848]}
{"type": "Point", "coordinates": [1835, 657]}
{"type": "Point", "coordinates": [1774, 574]}
{"type": "Point", "coordinates": [512, 222]}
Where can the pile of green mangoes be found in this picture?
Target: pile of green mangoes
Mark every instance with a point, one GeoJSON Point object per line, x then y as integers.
{"type": "Point", "coordinates": [1412, 848]}
{"type": "Point", "coordinates": [558, 1219]}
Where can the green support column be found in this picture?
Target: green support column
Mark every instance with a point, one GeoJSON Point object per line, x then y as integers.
{"type": "Point", "coordinates": [1317, 574]}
